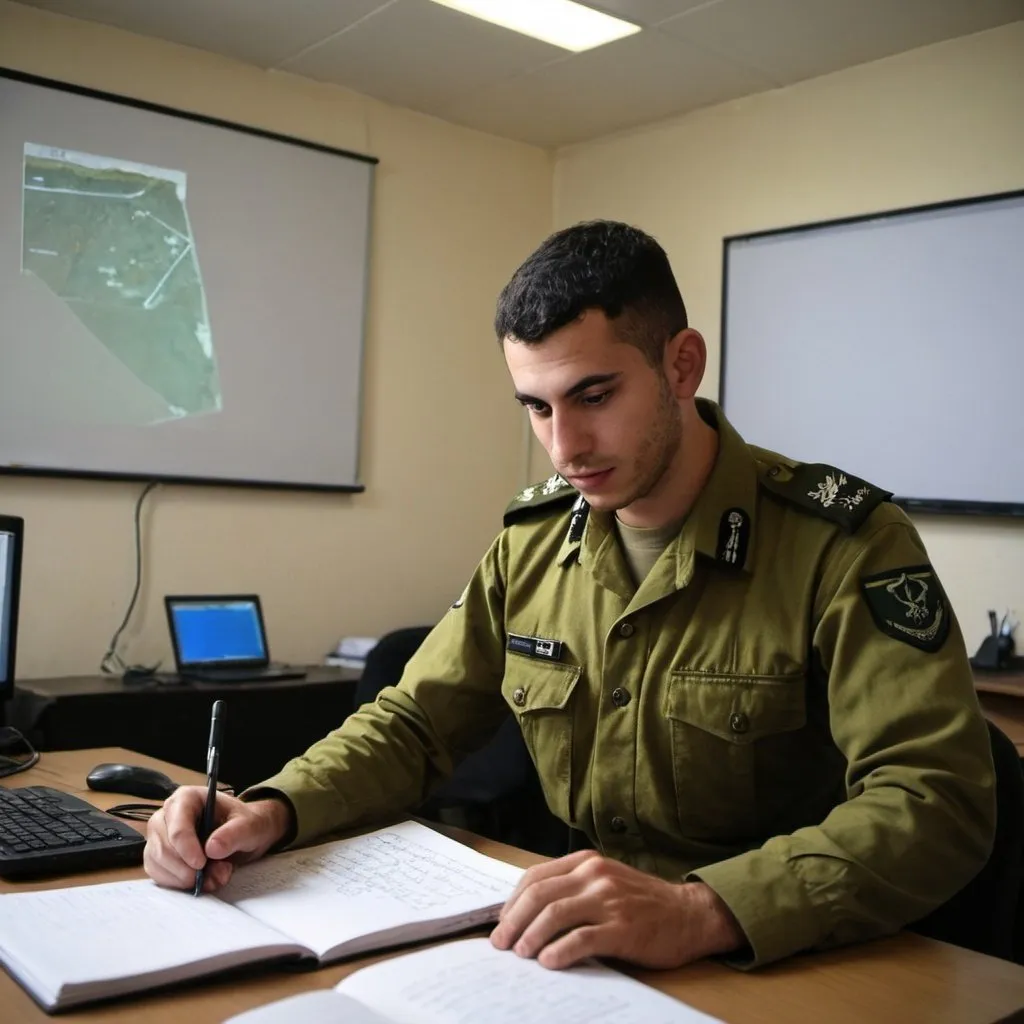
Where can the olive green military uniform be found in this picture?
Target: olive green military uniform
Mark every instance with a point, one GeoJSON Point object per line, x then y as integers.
{"type": "Point", "coordinates": [783, 708]}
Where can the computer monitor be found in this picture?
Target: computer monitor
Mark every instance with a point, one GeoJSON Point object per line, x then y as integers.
{"type": "Point", "coordinates": [12, 532]}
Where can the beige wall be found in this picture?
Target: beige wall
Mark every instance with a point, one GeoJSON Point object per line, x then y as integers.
{"type": "Point", "coordinates": [938, 123]}
{"type": "Point", "coordinates": [454, 213]}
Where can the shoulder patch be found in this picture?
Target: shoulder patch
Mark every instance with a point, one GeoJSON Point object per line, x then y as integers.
{"type": "Point", "coordinates": [547, 495]}
{"type": "Point", "coordinates": [908, 604]}
{"type": "Point", "coordinates": [826, 491]}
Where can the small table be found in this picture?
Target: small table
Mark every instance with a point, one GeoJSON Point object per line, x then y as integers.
{"type": "Point", "coordinates": [267, 722]}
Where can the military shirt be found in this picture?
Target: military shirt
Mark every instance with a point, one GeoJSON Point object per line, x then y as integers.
{"type": "Point", "coordinates": [782, 709]}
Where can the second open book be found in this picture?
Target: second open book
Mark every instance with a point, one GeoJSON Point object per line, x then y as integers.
{"type": "Point", "coordinates": [400, 884]}
{"type": "Point", "coordinates": [470, 980]}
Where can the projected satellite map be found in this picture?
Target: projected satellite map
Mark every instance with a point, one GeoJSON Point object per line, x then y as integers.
{"type": "Point", "coordinates": [111, 239]}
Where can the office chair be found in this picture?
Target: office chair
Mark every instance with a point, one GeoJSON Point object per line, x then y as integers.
{"type": "Point", "coordinates": [494, 791]}
{"type": "Point", "coordinates": [985, 914]}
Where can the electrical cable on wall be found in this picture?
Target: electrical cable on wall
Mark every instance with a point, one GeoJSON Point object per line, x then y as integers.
{"type": "Point", "coordinates": [112, 663]}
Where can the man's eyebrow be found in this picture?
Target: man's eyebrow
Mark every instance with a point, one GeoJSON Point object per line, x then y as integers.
{"type": "Point", "coordinates": [580, 385]}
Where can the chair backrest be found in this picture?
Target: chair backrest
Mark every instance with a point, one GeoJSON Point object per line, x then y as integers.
{"type": "Point", "coordinates": [983, 916]}
{"type": "Point", "coordinates": [499, 767]}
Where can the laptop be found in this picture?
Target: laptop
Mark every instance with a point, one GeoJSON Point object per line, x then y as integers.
{"type": "Point", "coordinates": [220, 638]}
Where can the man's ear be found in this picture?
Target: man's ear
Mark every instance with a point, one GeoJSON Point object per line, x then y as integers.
{"type": "Point", "coordinates": [685, 358]}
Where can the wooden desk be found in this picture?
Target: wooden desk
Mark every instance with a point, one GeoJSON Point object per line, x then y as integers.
{"type": "Point", "coordinates": [1001, 695]}
{"type": "Point", "coordinates": [896, 980]}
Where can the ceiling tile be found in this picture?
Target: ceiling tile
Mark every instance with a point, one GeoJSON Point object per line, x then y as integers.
{"type": "Point", "coordinates": [420, 54]}
{"type": "Point", "coordinates": [791, 40]}
{"type": "Point", "coordinates": [646, 12]}
{"type": "Point", "coordinates": [261, 32]}
{"type": "Point", "coordinates": [632, 81]}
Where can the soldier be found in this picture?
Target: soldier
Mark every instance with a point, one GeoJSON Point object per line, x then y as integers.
{"type": "Point", "coordinates": [738, 675]}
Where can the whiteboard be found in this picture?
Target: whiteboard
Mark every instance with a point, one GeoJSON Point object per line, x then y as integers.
{"type": "Point", "coordinates": [891, 346]}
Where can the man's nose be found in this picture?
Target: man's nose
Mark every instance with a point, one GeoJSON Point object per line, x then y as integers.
{"type": "Point", "coordinates": [570, 440]}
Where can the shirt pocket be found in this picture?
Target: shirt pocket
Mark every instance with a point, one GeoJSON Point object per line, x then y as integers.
{"type": "Point", "coordinates": [540, 695]}
{"type": "Point", "coordinates": [726, 732]}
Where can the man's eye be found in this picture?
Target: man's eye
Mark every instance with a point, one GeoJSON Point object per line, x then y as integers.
{"type": "Point", "coordinates": [598, 399]}
{"type": "Point", "coordinates": [537, 408]}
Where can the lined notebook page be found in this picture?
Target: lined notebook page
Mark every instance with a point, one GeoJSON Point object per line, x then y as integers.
{"type": "Point", "coordinates": [380, 882]}
{"type": "Point", "coordinates": [472, 981]}
{"type": "Point", "coordinates": [91, 933]}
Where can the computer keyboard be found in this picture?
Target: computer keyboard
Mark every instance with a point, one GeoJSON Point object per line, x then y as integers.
{"type": "Point", "coordinates": [46, 832]}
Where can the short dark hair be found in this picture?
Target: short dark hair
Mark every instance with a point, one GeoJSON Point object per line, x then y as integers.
{"type": "Point", "coordinates": [599, 264]}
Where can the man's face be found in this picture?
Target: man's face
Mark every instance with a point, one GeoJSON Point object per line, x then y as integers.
{"type": "Point", "coordinates": [607, 419]}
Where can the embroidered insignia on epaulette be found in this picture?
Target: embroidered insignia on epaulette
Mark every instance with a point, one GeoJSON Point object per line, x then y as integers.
{"type": "Point", "coordinates": [551, 492]}
{"type": "Point", "coordinates": [828, 492]}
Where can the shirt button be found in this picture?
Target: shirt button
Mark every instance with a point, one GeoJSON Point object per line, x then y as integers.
{"type": "Point", "coordinates": [626, 630]}
{"type": "Point", "coordinates": [618, 825]}
{"type": "Point", "coordinates": [620, 697]}
{"type": "Point", "coordinates": [519, 696]}
{"type": "Point", "coordinates": [738, 722]}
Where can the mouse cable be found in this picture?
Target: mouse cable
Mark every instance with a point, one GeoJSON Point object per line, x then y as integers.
{"type": "Point", "coordinates": [112, 663]}
{"type": "Point", "coordinates": [134, 812]}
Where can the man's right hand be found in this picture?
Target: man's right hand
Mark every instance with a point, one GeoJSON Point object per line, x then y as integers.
{"type": "Point", "coordinates": [243, 832]}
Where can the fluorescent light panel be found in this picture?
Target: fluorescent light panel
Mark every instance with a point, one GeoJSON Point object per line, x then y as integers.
{"type": "Point", "coordinates": [559, 22]}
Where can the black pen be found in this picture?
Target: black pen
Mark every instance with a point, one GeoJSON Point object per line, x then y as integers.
{"type": "Point", "coordinates": [212, 766]}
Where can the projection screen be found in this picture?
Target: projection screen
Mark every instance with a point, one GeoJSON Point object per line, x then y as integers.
{"type": "Point", "coordinates": [183, 298]}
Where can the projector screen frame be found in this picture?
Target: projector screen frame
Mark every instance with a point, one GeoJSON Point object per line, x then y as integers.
{"type": "Point", "coordinates": [937, 506]}
{"type": "Point", "coordinates": [156, 108]}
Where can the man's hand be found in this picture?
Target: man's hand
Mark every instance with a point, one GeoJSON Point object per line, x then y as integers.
{"type": "Point", "coordinates": [587, 905]}
{"type": "Point", "coordinates": [244, 832]}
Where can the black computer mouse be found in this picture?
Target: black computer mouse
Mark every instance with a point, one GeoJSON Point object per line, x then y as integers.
{"type": "Point", "coordinates": [132, 779]}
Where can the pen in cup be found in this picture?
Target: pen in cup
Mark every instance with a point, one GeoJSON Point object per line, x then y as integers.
{"type": "Point", "coordinates": [212, 768]}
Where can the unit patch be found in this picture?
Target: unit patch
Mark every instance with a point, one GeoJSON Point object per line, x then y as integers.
{"type": "Point", "coordinates": [908, 604]}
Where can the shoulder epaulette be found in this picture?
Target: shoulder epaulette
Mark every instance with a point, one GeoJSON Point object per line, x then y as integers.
{"type": "Point", "coordinates": [547, 496]}
{"type": "Point", "coordinates": [825, 491]}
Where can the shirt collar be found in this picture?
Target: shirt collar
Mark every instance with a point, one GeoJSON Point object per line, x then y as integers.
{"type": "Point", "coordinates": [721, 523]}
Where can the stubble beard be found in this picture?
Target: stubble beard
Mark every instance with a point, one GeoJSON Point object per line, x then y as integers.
{"type": "Point", "coordinates": [656, 455]}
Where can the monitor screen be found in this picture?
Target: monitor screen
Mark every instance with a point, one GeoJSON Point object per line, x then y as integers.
{"type": "Point", "coordinates": [11, 534]}
{"type": "Point", "coordinates": [217, 630]}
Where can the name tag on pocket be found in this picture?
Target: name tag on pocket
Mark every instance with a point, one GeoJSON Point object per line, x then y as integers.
{"type": "Point", "coordinates": [535, 647]}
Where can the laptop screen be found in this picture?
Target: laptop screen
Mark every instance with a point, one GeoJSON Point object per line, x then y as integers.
{"type": "Point", "coordinates": [217, 631]}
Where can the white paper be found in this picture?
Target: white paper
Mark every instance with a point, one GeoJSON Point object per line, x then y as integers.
{"type": "Point", "coordinates": [374, 885]}
{"type": "Point", "coordinates": [471, 981]}
{"type": "Point", "coordinates": [323, 1007]}
{"type": "Point", "coordinates": [86, 936]}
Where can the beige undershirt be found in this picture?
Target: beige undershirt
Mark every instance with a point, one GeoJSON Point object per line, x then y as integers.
{"type": "Point", "coordinates": [643, 545]}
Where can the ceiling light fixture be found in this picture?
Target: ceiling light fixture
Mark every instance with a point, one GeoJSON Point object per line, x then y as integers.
{"type": "Point", "coordinates": [563, 23]}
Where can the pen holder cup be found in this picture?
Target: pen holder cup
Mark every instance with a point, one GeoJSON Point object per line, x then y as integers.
{"type": "Point", "coordinates": [995, 652]}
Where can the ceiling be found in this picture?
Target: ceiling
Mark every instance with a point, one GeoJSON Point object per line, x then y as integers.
{"type": "Point", "coordinates": [418, 54]}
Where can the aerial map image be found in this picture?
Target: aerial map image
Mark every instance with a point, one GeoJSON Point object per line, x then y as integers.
{"type": "Point", "coordinates": [111, 240]}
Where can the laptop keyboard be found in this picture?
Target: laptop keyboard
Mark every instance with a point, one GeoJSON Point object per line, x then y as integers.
{"type": "Point", "coordinates": [46, 832]}
{"type": "Point", "coordinates": [244, 675]}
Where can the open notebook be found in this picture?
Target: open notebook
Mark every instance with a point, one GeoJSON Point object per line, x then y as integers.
{"type": "Point", "coordinates": [472, 981]}
{"type": "Point", "coordinates": [399, 884]}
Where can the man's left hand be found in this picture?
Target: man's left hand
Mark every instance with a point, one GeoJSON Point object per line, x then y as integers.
{"type": "Point", "coordinates": [586, 905]}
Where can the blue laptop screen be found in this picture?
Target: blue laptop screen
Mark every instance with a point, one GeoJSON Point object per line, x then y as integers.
{"type": "Point", "coordinates": [218, 631]}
